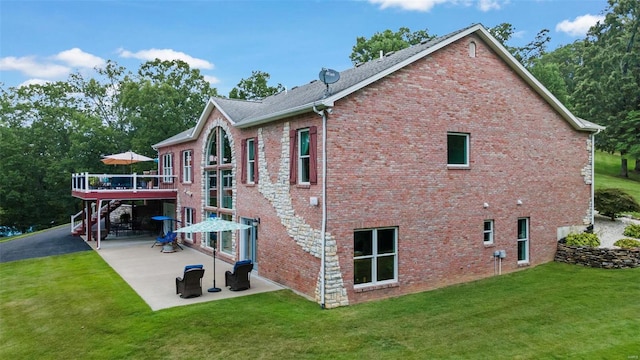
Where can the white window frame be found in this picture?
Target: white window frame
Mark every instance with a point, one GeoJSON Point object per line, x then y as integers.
{"type": "Point", "coordinates": [251, 176]}
{"type": "Point", "coordinates": [301, 157]}
{"type": "Point", "coordinates": [375, 256]}
{"type": "Point", "coordinates": [187, 166]}
{"type": "Point", "coordinates": [523, 238]}
{"type": "Point", "coordinates": [167, 168]}
{"type": "Point", "coordinates": [188, 220]}
{"type": "Point", "coordinates": [466, 149]}
{"type": "Point", "coordinates": [489, 232]}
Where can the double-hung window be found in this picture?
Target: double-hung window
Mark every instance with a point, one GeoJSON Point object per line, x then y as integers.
{"type": "Point", "coordinates": [167, 168]}
{"type": "Point", "coordinates": [303, 156]}
{"type": "Point", "coordinates": [187, 166]}
{"type": "Point", "coordinates": [249, 170]}
{"type": "Point", "coordinates": [523, 240]}
{"type": "Point", "coordinates": [488, 232]}
{"type": "Point", "coordinates": [375, 256]}
{"type": "Point", "coordinates": [188, 220]}
{"type": "Point", "coordinates": [457, 149]}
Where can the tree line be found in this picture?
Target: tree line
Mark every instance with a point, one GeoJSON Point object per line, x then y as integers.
{"type": "Point", "coordinates": [49, 131]}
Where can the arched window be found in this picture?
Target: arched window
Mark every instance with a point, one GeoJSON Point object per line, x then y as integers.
{"type": "Point", "coordinates": [472, 49]}
{"type": "Point", "coordinates": [219, 182]}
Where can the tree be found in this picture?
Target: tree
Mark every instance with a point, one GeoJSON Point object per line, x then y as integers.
{"type": "Point", "coordinates": [527, 54]}
{"type": "Point", "coordinates": [164, 98]}
{"type": "Point", "coordinates": [386, 42]}
{"type": "Point", "coordinates": [36, 161]}
{"type": "Point", "coordinates": [608, 84]}
{"type": "Point", "coordinates": [255, 87]}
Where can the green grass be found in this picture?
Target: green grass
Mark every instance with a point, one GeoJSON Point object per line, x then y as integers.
{"type": "Point", "coordinates": [608, 175]}
{"type": "Point", "coordinates": [76, 306]}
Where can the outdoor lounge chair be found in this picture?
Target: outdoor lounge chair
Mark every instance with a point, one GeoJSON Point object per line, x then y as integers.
{"type": "Point", "coordinates": [239, 278]}
{"type": "Point", "coordinates": [190, 284]}
{"type": "Point", "coordinates": [163, 240]}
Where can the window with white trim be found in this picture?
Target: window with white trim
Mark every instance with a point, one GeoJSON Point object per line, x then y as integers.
{"type": "Point", "coordinates": [188, 220]}
{"type": "Point", "coordinates": [251, 160]}
{"type": "Point", "coordinates": [488, 232]}
{"type": "Point", "coordinates": [457, 149]}
{"type": "Point", "coordinates": [375, 259]}
{"type": "Point", "coordinates": [303, 156]}
{"type": "Point", "coordinates": [187, 166]}
{"type": "Point", "coordinates": [167, 168]}
{"type": "Point", "coordinates": [523, 240]}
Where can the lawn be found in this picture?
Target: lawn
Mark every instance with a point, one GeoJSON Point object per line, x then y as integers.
{"type": "Point", "coordinates": [75, 306]}
{"type": "Point", "coordinates": [607, 175]}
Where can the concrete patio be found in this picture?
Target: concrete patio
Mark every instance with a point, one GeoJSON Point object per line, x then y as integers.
{"type": "Point", "coordinates": [151, 273]}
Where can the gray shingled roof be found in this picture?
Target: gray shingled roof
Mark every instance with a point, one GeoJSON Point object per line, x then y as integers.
{"type": "Point", "coordinates": [245, 111]}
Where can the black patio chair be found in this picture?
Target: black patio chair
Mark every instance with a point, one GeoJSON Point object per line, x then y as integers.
{"type": "Point", "coordinates": [239, 278]}
{"type": "Point", "coordinates": [190, 284]}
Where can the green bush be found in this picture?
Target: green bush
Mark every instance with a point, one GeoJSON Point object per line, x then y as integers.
{"type": "Point", "coordinates": [583, 239]}
{"type": "Point", "coordinates": [627, 243]}
{"type": "Point", "coordinates": [632, 230]}
{"type": "Point", "coordinates": [611, 202]}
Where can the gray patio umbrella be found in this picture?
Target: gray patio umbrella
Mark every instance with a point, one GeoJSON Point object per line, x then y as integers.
{"type": "Point", "coordinates": [213, 224]}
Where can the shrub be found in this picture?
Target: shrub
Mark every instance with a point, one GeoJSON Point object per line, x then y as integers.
{"type": "Point", "coordinates": [583, 239]}
{"type": "Point", "coordinates": [632, 230]}
{"type": "Point", "coordinates": [627, 243]}
{"type": "Point", "coordinates": [611, 202]}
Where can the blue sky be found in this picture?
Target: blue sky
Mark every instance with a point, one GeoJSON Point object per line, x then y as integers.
{"type": "Point", "coordinates": [227, 40]}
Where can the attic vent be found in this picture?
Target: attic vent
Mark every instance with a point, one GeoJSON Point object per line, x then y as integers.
{"type": "Point", "coordinates": [390, 53]}
{"type": "Point", "coordinates": [359, 64]}
{"type": "Point", "coordinates": [472, 49]}
{"type": "Point", "coordinates": [424, 41]}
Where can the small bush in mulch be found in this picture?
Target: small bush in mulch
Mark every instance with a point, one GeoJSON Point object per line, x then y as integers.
{"type": "Point", "coordinates": [583, 239]}
{"type": "Point", "coordinates": [627, 243]}
{"type": "Point", "coordinates": [632, 230]}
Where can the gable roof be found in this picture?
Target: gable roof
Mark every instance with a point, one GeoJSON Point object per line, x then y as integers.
{"type": "Point", "coordinates": [303, 99]}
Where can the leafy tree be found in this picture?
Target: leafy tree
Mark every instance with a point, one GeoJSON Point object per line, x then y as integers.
{"type": "Point", "coordinates": [386, 41]}
{"type": "Point", "coordinates": [36, 164]}
{"type": "Point", "coordinates": [255, 87]}
{"type": "Point", "coordinates": [164, 98]}
{"type": "Point", "coordinates": [527, 54]}
{"type": "Point", "coordinates": [612, 202]}
{"type": "Point", "coordinates": [608, 84]}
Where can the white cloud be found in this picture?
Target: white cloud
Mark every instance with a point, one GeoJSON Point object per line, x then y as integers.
{"type": "Point", "coordinates": [579, 26]}
{"type": "Point", "coordinates": [427, 5]}
{"type": "Point", "coordinates": [166, 54]}
{"type": "Point", "coordinates": [34, 82]}
{"type": "Point", "coordinates": [488, 5]}
{"type": "Point", "coordinates": [29, 66]}
{"type": "Point", "coordinates": [211, 79]}
{"type": "Point", "coordinates": [78, 58]}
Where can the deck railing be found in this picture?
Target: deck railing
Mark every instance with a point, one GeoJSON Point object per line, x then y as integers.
{"type": "Point", "coordinates": [85, 182]}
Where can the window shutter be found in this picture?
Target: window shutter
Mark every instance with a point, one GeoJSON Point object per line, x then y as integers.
{"type": "Point", "coordinates": [243, 162]}
{"type": "Point", "coordinates": [255, 160]}
{"type": "Point", "coordinates": [293, 151]}
{"type": "Point", "coordinates": [313, 155]}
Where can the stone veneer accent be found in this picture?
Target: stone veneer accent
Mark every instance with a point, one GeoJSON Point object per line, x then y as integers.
{"type": "Point", "coordinates": [598, 257]}
{"type": "Point", "coordinates": [303, 234]}
{"type": "Point", "coordinates": [587, 173]}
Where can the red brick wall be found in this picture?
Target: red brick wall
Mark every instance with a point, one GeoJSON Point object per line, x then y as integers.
{"type": "Point", "coordinates": [388, 154]}
{"type": "Point", "coordinates": [387, 151]}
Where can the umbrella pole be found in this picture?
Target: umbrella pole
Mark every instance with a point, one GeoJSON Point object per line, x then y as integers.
{"type": "Point", "coordinates": [214, 288]}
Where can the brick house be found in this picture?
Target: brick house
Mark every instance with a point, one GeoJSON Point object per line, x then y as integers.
{"type": "Point", "coordinates": [409, 173]}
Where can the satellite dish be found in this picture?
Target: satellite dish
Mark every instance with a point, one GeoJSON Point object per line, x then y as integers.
{"type": "Point", "coordinates": [329, 76]}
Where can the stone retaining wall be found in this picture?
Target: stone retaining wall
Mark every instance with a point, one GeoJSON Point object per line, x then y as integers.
{"type": "Point", "coordinates": [599, 257]}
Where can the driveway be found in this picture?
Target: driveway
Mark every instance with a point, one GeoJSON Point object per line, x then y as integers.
{"type": "Point", "coordinates": [56, 241]}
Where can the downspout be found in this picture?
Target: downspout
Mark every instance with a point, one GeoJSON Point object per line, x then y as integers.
{"type": "Point", "coordinates": [323, 227]}
{"type": "Point", "coordinates": [99, 233]}
{"type": "Point", "coordinates": [593, 176]}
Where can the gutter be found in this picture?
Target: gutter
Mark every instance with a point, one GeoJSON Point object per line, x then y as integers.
{"type": "Point", "coordinates": [286, 113]}
{"type": "Point", "coordinates": [323, 227]}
